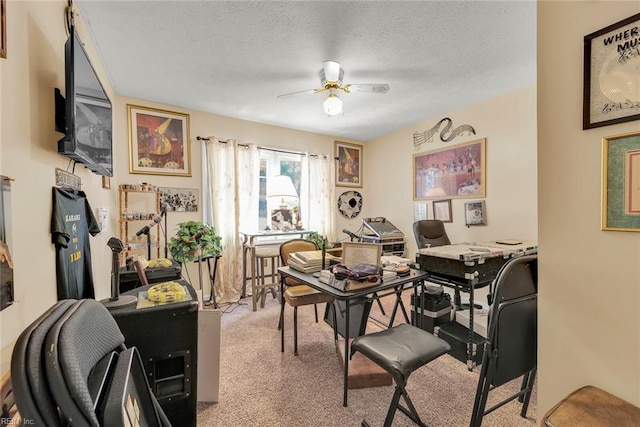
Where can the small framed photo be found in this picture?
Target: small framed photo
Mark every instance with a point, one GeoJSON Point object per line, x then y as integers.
{"type": "Point", "coordinates": [159, 142]}
{"type": "Point", "coordinates": [611, 61]}
{"type": "Point", "coordinates": [282, 220]}
{"type": "Point", "coordinates": [349, 167]}
{"type": "Point", "coordinates": [179, 199]}
{"type": "Point", "coordinates": [442, 210]}
{"type": "Point", "coordinates": [621, 182]}
{"type": "Point", "coordinates": [106, 182]}
{"type": "Point", "coordinates": [474, 213]}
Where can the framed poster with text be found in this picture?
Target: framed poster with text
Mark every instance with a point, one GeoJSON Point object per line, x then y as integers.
{"type": "Point", "coordinates": [611, 78]}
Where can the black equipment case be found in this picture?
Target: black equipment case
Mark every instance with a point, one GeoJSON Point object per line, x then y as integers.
{"type": "Point", "coordinates": [437, 310]}
{"type": "Point", "coordinates": [458, 336]}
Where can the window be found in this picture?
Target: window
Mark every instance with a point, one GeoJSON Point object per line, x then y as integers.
{"type": "Point", "coordinates": [276, 163]}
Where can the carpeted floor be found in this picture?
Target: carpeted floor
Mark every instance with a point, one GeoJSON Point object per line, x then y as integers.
{"type": "Point", "coordinates": [260, 386]}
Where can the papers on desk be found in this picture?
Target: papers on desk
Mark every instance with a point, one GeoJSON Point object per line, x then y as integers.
{"type": "Point", "coordinates": [514, 247]}
{"type": "Point", "coordinates": [308, 261]}
{"type": "Point", "coordinates": [394, 260]}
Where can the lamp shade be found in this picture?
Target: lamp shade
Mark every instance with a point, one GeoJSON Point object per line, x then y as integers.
{"type": "Point", "coordinates": [333, 105]}
{"type": "Point", "coordinates": [280, 186]}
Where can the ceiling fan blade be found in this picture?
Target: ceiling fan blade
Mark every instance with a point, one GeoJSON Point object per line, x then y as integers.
{"type": "Point", "coordinates": [331, 71]}
{"type": "Point", "coordinates": [369, 88]}
{"type": "Point", "coordinates": [288, 95]}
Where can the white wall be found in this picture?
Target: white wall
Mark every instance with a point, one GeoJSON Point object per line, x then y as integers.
{"type": "Point", "coordinates": [589, 284]}
{"type": "Point", "coordinates": [508, 124]}
{"type": "Point", "coordinates": [33, 68]}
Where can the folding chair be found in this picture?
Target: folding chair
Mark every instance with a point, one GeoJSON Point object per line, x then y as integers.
{"type": "Point", "coordinates": [512, 339]}
{"type": "Point", "coordinates": [400, 350]}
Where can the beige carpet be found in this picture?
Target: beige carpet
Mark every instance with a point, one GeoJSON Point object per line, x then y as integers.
{"type": "Point", "coordinates": [260, 386]}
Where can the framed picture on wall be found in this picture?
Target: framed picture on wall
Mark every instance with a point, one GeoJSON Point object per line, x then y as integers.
{"type": "Point", "coordinates": [454, 172]}
{"type": "Point", "coordinates": [474, 213]}
{"type": "Point", "coordinates": [159, 142]}
{"type": "Point", "coordinates": [621, 182]}
{"type": "Point", "coordinates": [611, 82]}
{"type": "Point", "coordinates": [349, 164]}
{"type": "Point", "coordinates": [442, 210]}
{"type": "Point", "coordinates": [179, 199]}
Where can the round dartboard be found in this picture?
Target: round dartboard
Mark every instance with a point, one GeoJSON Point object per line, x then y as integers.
{"type": "Point", "coordinates": [350, 204]}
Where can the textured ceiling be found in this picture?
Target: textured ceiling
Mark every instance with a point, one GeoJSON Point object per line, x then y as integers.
{"type": "Point", "coordinates": [235, 58]}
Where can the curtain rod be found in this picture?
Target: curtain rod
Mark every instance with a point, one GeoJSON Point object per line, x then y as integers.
{"type": "Point", "coordinates": [201, 138]}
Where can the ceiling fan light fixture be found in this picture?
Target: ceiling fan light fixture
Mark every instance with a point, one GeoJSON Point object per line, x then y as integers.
{"type": "Point", "coordinates": [333, 105]}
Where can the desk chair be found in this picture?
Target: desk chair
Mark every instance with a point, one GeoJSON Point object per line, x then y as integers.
{"type": "Point", "coordinates": [400, 350]}
{"type": "Point", "coordinates": [430, 232]}
{"type": "Point", "coordinates": [297, 294]}
{"type": "Point", "coordinates": [511, 346]}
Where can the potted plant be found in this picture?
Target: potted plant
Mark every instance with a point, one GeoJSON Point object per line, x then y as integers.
{"type": "Point", "coordinates": [318, 239]}
{"type": "Point", "coordinates": [194, 239]}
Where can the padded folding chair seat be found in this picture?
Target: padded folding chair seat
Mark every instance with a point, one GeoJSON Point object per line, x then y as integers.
{"type": "Point", "coordinates": [400, 351]}
{"type": "Point", "coordinates": [299, 295]}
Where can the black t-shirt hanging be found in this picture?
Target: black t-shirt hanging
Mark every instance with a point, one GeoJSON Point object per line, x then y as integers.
{"type": "Point", "coordinates": [71, 222]}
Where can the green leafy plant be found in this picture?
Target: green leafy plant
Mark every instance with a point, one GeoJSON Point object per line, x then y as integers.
{"type": "Point", "coordinates": [194, 239]}
{"type": "Point", "coordinates": [318, 239]}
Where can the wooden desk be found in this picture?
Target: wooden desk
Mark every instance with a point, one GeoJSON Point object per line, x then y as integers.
{"type": "Point", "coordinates": [466, 267]}
{"type": "Point", "coordinates": [414, 280]}
{"type": "Point", "coordinates": [255, 238]}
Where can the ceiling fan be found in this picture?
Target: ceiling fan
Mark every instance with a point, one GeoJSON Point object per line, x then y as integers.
{"type": "Point", "coordinates": [331, 80]}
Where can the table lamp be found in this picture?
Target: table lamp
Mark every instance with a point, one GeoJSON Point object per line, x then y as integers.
{"type": "Point", "coordinates": [281, 186]}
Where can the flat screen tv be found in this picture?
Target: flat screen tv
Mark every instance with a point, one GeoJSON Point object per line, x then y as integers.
{"type": "Point", "coordinates": [84, 114]}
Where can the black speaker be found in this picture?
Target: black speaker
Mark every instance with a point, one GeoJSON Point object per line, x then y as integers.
{"type": "Point", "coordinates": [166, 337]}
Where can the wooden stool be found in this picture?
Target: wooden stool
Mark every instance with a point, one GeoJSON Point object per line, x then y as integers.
{"type": "Point", "coordinates": [593, 407]}
{"type": "Point", "coordinates": [259, 286]}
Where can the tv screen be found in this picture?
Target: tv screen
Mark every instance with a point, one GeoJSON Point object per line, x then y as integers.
{"type": "Point", "coordinates": [87, 112]}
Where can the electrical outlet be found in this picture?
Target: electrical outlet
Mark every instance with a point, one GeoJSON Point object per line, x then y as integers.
{"type": "Point", "coordinates": [264, 262]}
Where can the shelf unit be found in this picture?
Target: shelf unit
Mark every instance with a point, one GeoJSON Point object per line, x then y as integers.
{"type": "Point", "coordinates": [144, 202]}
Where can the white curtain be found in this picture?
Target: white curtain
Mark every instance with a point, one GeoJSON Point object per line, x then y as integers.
{"type": "Point", "coordinates": [318, 177]}
{"type": "Point", "coordinates": [232, 182]}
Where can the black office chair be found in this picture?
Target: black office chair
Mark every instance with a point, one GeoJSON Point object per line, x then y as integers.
{"type": "Point", "coordinates": [400, 350]}
{"type": "Point", "coordinates": [430, 232]}
{"type": "Point", "coordinates": [511, 346]}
